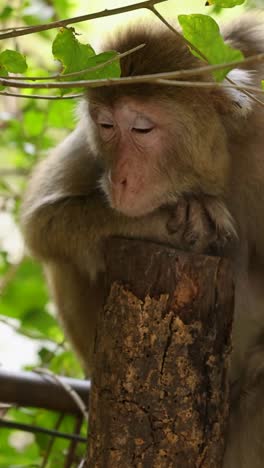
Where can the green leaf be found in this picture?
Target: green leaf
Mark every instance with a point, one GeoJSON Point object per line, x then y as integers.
{"type": "Point", "coordinates": [40, 321]}
{"type": "Point", "coordinates": [28, 453]}
{"type": "Point", "coordinates": [3, 257]}
{"type": "Point", "coordinates": [26, 299]}
{"type": "Point", "coordinates": [6, 12]}
{"type": "Point", "coordinates": [110, 70]}
{"type": "Point", "coordinates": [75, 57]}
{"type": "Point", "coordinates": [61, 114]}
{"type": "Point", "coordinates": [13, 61]}
{"type": "Point", "coordinates": [203, 32]}
{"type": "Point", "coordinates": [34, 122]}
{"type": "Point", "coordinates": [3, 73]}
{"type": "Point", "coordinates": [225, 3]}
{"type": "Point", "coordinates": [70, 51]}
{"type": "Point", "coordinates": [26, 292]}
{"type": "Point", "coordinates": [66, 363]}
{"type": "Point", "coordinates": [63, 8]}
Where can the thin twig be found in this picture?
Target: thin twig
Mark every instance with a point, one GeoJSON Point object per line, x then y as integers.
{"type": "Point", "coordinates": [10, 171]}
{"type": "Point", "coordinates": [209, 84]}
{"type": "Point", "coordinates": [73, 444]}
{"type": "Point", "coordinates": [74, 395]}
{"type": "Point", "coordinates": [51, 442]}
{"type": "Point", "coordinates": [244, 89]}
{"type": "Point", "coordinates": [177, 33]}
{"type": "Point", "coordinates": [17, 32]}
{"type": "Point", "coordinates": [203, 84]}
{"type": "Point", "coordinates": [201, 54]}
{"type": "Point", "coordinates": [82, 464]}
{"type": "Point", "coordinates": [28, 334]}
{"type": "Point", "coordinates": [175, 74]}
{"type": "Point", "coordinates": [40, 430]}
{"type": "Point", "coordinates": [59, 76]}
{"type": "Point", "coordinates": [154, 78]}
{"type": "Point", "coordinates": [41, 96]}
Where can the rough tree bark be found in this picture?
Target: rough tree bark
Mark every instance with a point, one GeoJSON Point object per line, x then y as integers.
{"type": "Point", "coordinates": [160, 394]}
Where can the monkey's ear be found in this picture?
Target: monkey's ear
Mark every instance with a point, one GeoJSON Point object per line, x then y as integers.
{"type": "Point", "coordinates": [234, 100]}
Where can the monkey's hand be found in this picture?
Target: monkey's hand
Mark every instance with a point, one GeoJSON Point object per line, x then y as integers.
{"type": "Point", "coordinates": [203, 225]}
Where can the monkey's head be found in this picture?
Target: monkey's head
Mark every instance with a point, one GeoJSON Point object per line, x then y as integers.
{"type": "Point", "coordinates": [157, 142]}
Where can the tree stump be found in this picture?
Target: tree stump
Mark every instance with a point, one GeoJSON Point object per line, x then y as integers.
{"type": "Point", "coordinates": [160, 393]}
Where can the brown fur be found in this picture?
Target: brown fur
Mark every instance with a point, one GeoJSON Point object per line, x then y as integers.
{"type": "Point", "coordinates": [210, 187]}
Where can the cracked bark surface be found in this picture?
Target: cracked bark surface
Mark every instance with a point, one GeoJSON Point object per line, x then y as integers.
{"type": "Point", "coordinates": [160, 394]}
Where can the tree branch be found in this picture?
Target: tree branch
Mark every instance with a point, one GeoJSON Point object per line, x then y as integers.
{"type": "Point", "coordinates": [51, 442]}
{"type": "Point", "coordinates": [59, 76]}
{"type": "Point", "coordinates": [166, 75]}
{"type": "Point", "coordinates": [17, 32]}
{"type": "Point", "coordinates": [68, 388]}
{"type": "Point", "coordinates": [201, 54]}
{"type": "Point", "coordinates": [160, 78]}
{"type": "Point", "coordinates": [177, 33]}
{"type": "Point", "coordinates": [69, 461]}
{"type": "Point", "coordinates": [40, 430]}
{"type": "Point", "coordinates": [31, 390]}
{"type": "Point", "coordinates": [40, 96]}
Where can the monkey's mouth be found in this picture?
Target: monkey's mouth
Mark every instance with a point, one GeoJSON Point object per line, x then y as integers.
{"type": "Point", "coordinates": [134, 205]}
{"type": "Point", "coordinates": [134, 202]}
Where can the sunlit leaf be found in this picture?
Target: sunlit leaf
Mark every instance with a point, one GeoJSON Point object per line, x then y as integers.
{"type": "Point", "coordinates": [42, 322]}
{"type": "Point", "coordinates": [72, 54]}
{"type": "Point", "coordinates": [6, 12]}
{"type": "Point", "coordinates": [203, 32]}
{"type": "Point", "coordinates": [26, 292]}
{"type": "Point", "coordinates": [76, 56]}
{"type": "Point", "coordinates": [66, 363]}
{"type": "Point", "coordinates": [13, 61]}
{"type": "Point", "coordinates": [34, 122]}
{"type": "Point", "coordinates": [3, 73]}
{"type": "Point", "coordinates": [225, 3]}
{"type": "Point", "coordinates": [61, 114]}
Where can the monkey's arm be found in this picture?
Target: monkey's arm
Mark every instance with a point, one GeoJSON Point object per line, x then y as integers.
{"type": "Point", "coordinates": [65, 218]}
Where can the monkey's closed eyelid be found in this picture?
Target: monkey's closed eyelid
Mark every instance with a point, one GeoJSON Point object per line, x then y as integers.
{"type": "Point", "coordinates": [106, 125]}
{"type": "Point", "coordinates": [142, 130]}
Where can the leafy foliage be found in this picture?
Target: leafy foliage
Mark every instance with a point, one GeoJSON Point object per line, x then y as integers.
{"type": "Point", "coordinates": [203, 32]}
{"type": "Point", "coordinates": [13, 61]}
{"type": "Point", "coordinates": [6, 12]}
{"type": "Point", "coordinates": [226, 3]}
{"type": "Point", "coordinates": [18, 452]}
{"type": "Point", "coordinates": [76, 57]}
{"type": "Point", "coordinates": [28, 130]}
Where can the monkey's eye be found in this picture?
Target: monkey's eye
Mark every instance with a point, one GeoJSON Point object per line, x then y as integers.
{"type": "Point", "coordinates": [142, 125]}
{"type": "Point", "coordinates": [142, 130]}
{"type": "Point", "coordinates": [106, 126]}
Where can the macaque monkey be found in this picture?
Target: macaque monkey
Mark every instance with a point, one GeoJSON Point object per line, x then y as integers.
{"type": "Point", "coordinates": [182, 166]}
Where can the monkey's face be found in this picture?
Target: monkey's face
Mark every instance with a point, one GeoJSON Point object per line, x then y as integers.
{"type": "Point", "coordinates": [149, 152]}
